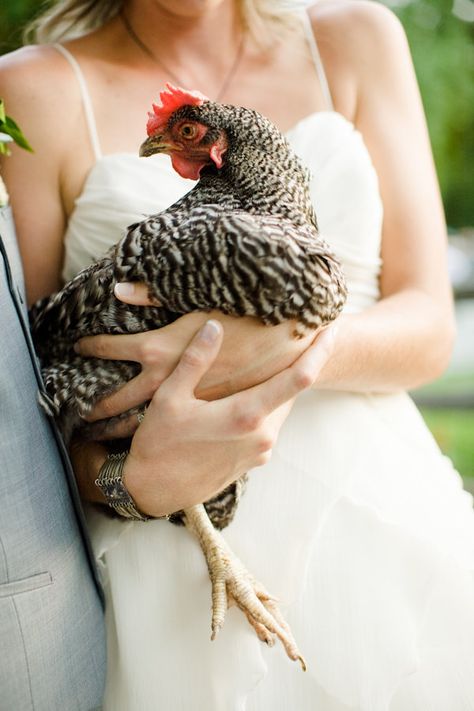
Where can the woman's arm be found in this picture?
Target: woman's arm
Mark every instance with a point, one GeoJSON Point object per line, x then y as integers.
{"type": "Point", "coordinates": [33, 179]}
{"type": "Point", "coordinates": [406, 338]}
{"type": "Point", "coordinates": [38, 90]}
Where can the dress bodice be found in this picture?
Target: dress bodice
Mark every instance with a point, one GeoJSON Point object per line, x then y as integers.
{"type": "Point", "coordinates": [123, 188]}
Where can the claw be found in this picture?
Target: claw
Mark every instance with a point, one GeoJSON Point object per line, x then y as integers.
{"type": "Point", "coordinates": [262, 633]}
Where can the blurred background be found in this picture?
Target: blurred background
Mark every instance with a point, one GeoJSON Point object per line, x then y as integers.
{"type": "Point", "coordinates": [440, 33]}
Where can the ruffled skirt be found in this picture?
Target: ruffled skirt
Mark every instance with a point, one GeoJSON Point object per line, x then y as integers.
{"type": "Point", "coordinates": [362, 530]}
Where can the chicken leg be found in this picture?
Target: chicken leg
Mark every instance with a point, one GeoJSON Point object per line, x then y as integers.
{"type": "Point", "coordinates": [232, 583]}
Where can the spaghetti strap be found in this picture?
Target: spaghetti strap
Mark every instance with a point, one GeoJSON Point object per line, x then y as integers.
{"type": "Point", "coordinates": [86, 99]}
{"type": "Point", "coordinates": [318, 64]}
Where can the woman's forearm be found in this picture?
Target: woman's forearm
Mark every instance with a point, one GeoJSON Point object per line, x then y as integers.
{"type": "Point", "coordinates": [399, 343]}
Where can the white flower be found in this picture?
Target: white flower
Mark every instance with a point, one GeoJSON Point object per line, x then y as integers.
{"type": "Point", "coordinates": [3, 194]}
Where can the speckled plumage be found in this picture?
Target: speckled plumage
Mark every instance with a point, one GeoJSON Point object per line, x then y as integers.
{"type": "Point", "coordinates": [244, 241]}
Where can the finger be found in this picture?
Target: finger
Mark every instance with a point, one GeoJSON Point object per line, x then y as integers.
{"type": "Point", "coordinates": [119, 347]}
{"type": "Point", "coordinates": [125, 427]}
{"type": "Point", "coordinates": [195, 361]}
{"type": "Point", "coordinates": [298, 377]}
{"type": "Point", "coordinates": [134, 293]}
{"type": "Point", "coordinates": [133, 393]}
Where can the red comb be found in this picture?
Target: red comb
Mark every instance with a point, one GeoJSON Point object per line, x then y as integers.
{"type": "Point", "coordinates": [172, 99]}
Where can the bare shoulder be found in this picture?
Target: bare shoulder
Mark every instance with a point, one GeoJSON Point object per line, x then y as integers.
{"type": "Point", "coordinates": [37, 85]}
{"type": "Point", "coordinates": [362, 44]}
{"type": "Point", "coordinates": [34, 68]}
{"type": "Point", "coordinates": [360, 24]}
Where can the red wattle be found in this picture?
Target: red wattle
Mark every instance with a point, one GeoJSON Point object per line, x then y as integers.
{"type": "Point", "coordinates": [187, 168]}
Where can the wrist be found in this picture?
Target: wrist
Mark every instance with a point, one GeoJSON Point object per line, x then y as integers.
{"type": "Point", "coordinates": [144, 490]}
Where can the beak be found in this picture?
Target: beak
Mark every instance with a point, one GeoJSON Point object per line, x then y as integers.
{"type": "Point", "coordinates": [156, 144]}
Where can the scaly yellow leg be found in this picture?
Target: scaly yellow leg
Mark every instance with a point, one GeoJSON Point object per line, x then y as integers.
{"type": "Point", "coordinates": [232, 583]}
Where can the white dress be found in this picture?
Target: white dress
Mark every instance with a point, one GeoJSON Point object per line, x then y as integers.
{"type": "Point", "coordinates": [358, 524]}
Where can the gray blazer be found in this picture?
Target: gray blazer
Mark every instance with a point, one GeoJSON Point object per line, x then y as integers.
{"type": "Point", "coordinates": [52, 642]}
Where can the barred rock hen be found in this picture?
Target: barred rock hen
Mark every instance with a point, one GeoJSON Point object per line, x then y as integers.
{"type": "Point", "coordinates": [244, 241]}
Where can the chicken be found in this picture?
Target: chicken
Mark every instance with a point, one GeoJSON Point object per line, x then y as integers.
{"type": "Point", "coordinates": [244, 241]}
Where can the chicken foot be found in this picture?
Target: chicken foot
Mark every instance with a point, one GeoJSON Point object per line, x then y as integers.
{"type": "Point", "coordinates": [232, 583]}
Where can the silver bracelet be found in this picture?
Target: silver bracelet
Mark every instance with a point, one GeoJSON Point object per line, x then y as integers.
{"type": "Point", "coordinates": [110, 482]}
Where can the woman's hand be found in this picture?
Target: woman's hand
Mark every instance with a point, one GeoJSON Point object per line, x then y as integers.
{"type": "Point", "coordinates": [251, 353]}
{"type": "Point", "coordinates": [186, 449]}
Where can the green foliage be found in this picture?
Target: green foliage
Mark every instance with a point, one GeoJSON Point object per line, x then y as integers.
{"type": "Point", "coordinates": [8, 128]}
{"type": "Point", "coordinates": [14, 14]}
{"type": "Point", "coordinates": [453, 430]}
{"type": "Point", "coordinates": [443, 54]}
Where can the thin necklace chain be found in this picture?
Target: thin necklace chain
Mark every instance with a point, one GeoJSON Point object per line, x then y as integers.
{"type": "Point", "coordinates": [227, 80]}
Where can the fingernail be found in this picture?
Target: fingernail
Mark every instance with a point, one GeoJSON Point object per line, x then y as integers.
{"type": "Point", "coordinates": [209, 332]}
{"type": "Point", "coordinates": [124, 288]}
{"type": "Point", "coordinates": [77, 348]}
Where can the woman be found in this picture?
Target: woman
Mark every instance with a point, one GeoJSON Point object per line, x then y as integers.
{"type": "Point", "coordinates": [361, 529]}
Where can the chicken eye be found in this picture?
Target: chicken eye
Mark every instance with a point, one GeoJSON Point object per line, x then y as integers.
{"type": "Point", "coordinates": [188, 130]}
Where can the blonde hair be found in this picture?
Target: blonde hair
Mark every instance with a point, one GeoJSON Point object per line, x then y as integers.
{"type": "Point", "coordinates": [66, 19]}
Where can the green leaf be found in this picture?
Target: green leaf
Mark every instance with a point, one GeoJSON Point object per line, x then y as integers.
{"type": "Point", "coordinates": [12, 129]}
{"type": "Point", "coordinates": [8, 126]}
